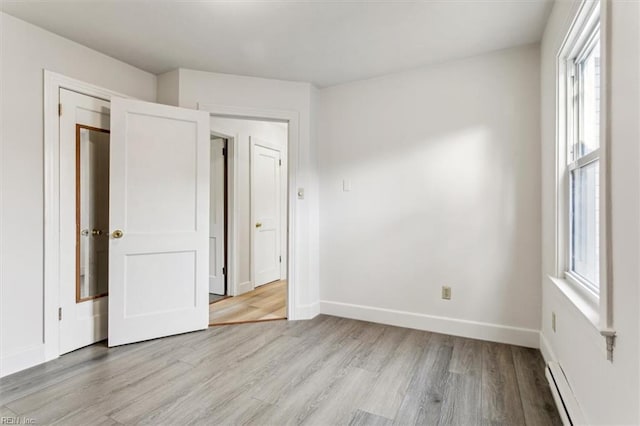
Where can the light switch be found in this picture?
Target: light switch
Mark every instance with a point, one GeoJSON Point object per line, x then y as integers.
{"type": "Point", "coordinates": [346, 185]}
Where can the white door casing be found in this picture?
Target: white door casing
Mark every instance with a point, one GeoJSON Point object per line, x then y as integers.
{"type": "Point", "coordinates": [265, 212]}
{"type": "Point", "coordinates": [217, 219]}
{"type": "Point", "coordinates": [159, 199]}
{"type": "Point", "coordinates": [83, 320]}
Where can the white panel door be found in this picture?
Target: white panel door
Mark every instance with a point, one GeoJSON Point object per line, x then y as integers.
{"type": "Point", "coordinates": [216, 219]}
{"type": "Point", "coordinates": [84, 163]}
{"type": "Point", "coordinates": [159, 219]}
{"type": "Point", "coordinates": [265, 213]}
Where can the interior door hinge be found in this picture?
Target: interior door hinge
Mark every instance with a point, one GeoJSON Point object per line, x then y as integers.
{"type": "Point", "coordinates": [59, 110]}
{"type": "Point", "coordinates": [280, 259]}
{"type": "Point", "coordinates": [59, 314]}
{"type": "Point", "coordinates": [224, 151]}
{"type": "Point", "coordinates": [224, 271]}
{"type": "Point", "coordinates": [280, 162]}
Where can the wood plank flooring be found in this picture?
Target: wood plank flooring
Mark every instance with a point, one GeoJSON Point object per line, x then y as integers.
{"type": "Point", "coordinates": [267, 302]}
{"type": "Point", "coordinates": [323, 371]}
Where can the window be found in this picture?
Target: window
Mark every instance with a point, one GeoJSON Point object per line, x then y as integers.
{"type": "Point", "coordinates": [582, 160]}
{"type": "Point", "coordinates": [580, 167]}
{"type": "Point", "coordinates": [583, 165]}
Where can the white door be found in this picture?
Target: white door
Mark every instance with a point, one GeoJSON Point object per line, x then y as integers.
{"type": "Point", "coordinates": [265, 212]}
{"type": "Point", "coordinates": [216, 222]}
{"type": "Point", "coordinates": [84, 189]}
{"type": "Point", "coordinates": [159, 219]}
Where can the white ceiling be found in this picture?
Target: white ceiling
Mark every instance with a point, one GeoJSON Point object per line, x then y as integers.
{"type": "Point", "coordinates": [324, 42]}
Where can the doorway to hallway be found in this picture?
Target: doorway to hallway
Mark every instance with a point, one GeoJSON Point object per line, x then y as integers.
{"type": "Point", "coordinates": [250, 181]}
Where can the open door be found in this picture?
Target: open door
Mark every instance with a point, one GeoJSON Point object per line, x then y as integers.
{"type": "Point", "coordinates": [159, 220]}
{"type": "Point", "coordinates": [217, 219]}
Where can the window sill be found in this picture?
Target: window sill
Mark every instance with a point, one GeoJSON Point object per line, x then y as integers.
{"type": "Point", "coordinates": [586, 305]}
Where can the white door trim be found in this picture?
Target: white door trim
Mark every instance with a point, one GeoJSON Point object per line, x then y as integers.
{"type": "Point", "coordinates": [293, 144]}
{"type": "Point", "coordinates": [53, 82]}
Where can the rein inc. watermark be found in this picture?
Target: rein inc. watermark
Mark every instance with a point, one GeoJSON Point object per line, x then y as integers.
{"type": "Point", "coordinates": [16, 420]}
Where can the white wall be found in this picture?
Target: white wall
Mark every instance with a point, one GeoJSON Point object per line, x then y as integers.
{"type": "Point", "coordinates": [25, 51]}
{"type": "Point", "coordinates": [445, 171]}
{"type": "Point", "coordinates": [242, 131]}
{"type": "Point", "coordinates": [607, 392]}
{"type": "Point", "coordinates": [168, 88]}
{"type": "Point", "coordinates": [198, 87]}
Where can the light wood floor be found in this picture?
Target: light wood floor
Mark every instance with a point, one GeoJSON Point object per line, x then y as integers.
{"type": "Point", "coordinates": [267, 302]}
{"type": "Point", "coordinates": [320, 372]}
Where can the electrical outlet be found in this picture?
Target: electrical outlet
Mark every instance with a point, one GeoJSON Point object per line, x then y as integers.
{"type": "Point", "coordinates": [446, 293]}
{"type": "Point", "coordinates": [553, 321]}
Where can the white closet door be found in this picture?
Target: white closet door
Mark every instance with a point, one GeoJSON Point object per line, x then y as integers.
{"type": "Point", "coordinates": [265, 209]}
{"type": "Point", "coordinates": [159, 219]}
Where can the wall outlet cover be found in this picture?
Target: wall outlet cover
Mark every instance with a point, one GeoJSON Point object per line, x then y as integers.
{"type": "Point", "coordinates": [446, 293]}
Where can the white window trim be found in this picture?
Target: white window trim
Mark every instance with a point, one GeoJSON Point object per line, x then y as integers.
{"type": "Point", "coordinates": [597, 308]}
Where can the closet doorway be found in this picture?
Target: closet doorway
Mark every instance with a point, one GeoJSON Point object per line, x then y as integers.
{"type": "Point", "coordinates": [250, 181]}
{"type": "Point", "coordinates": [126, 232]}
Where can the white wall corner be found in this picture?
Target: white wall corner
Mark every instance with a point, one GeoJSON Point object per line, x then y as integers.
{"type": "Point", "coordinates": [546, 349]}
{"type": "Point", "coordinates": [457, 327]}
{"type": "Point", "coordinates": [168, 88]}
{"type": "Point", "coordinates": [306, 312]}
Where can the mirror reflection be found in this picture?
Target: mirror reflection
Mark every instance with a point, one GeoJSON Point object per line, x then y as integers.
{"type": "Point", "coordinates": [92, 209]}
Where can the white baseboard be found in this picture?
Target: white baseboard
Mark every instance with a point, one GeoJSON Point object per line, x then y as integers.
{"type": "Point", "coordinates": [457, 327]}
{"type": "Point", "coordinates": [22, 359]}
{"type": "Point", "coordinates": [244, 287]}
{"type": "Point", "coordinates": [305, 312]}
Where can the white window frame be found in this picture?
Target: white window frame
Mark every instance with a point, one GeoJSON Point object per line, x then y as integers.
{"type": "Point", "coordinates": [594, 304]}
{"type": "Point", "coordinates": [581, 47]}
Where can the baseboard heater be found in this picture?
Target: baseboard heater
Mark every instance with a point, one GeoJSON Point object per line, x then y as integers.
{"type": "Point", "coordinates": [563, 395]}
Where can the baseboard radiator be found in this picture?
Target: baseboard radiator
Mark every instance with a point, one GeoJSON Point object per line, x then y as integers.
{"type": "Point", "coordinates": [563, 395]}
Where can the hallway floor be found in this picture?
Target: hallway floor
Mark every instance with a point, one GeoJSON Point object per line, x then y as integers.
{"type": "Point", "coordinates": [267, 302]}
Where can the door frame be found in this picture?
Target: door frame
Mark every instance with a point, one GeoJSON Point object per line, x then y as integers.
{"type": "Point", "coordinates": [292, 118]}
{"type": "Point", "coordinates": [53, 82]}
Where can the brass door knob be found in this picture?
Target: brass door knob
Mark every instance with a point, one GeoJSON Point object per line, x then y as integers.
{"type": "Point", "coordinates": [117, 234]}
{"type": "Point", "coordinates": [258, 225]}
